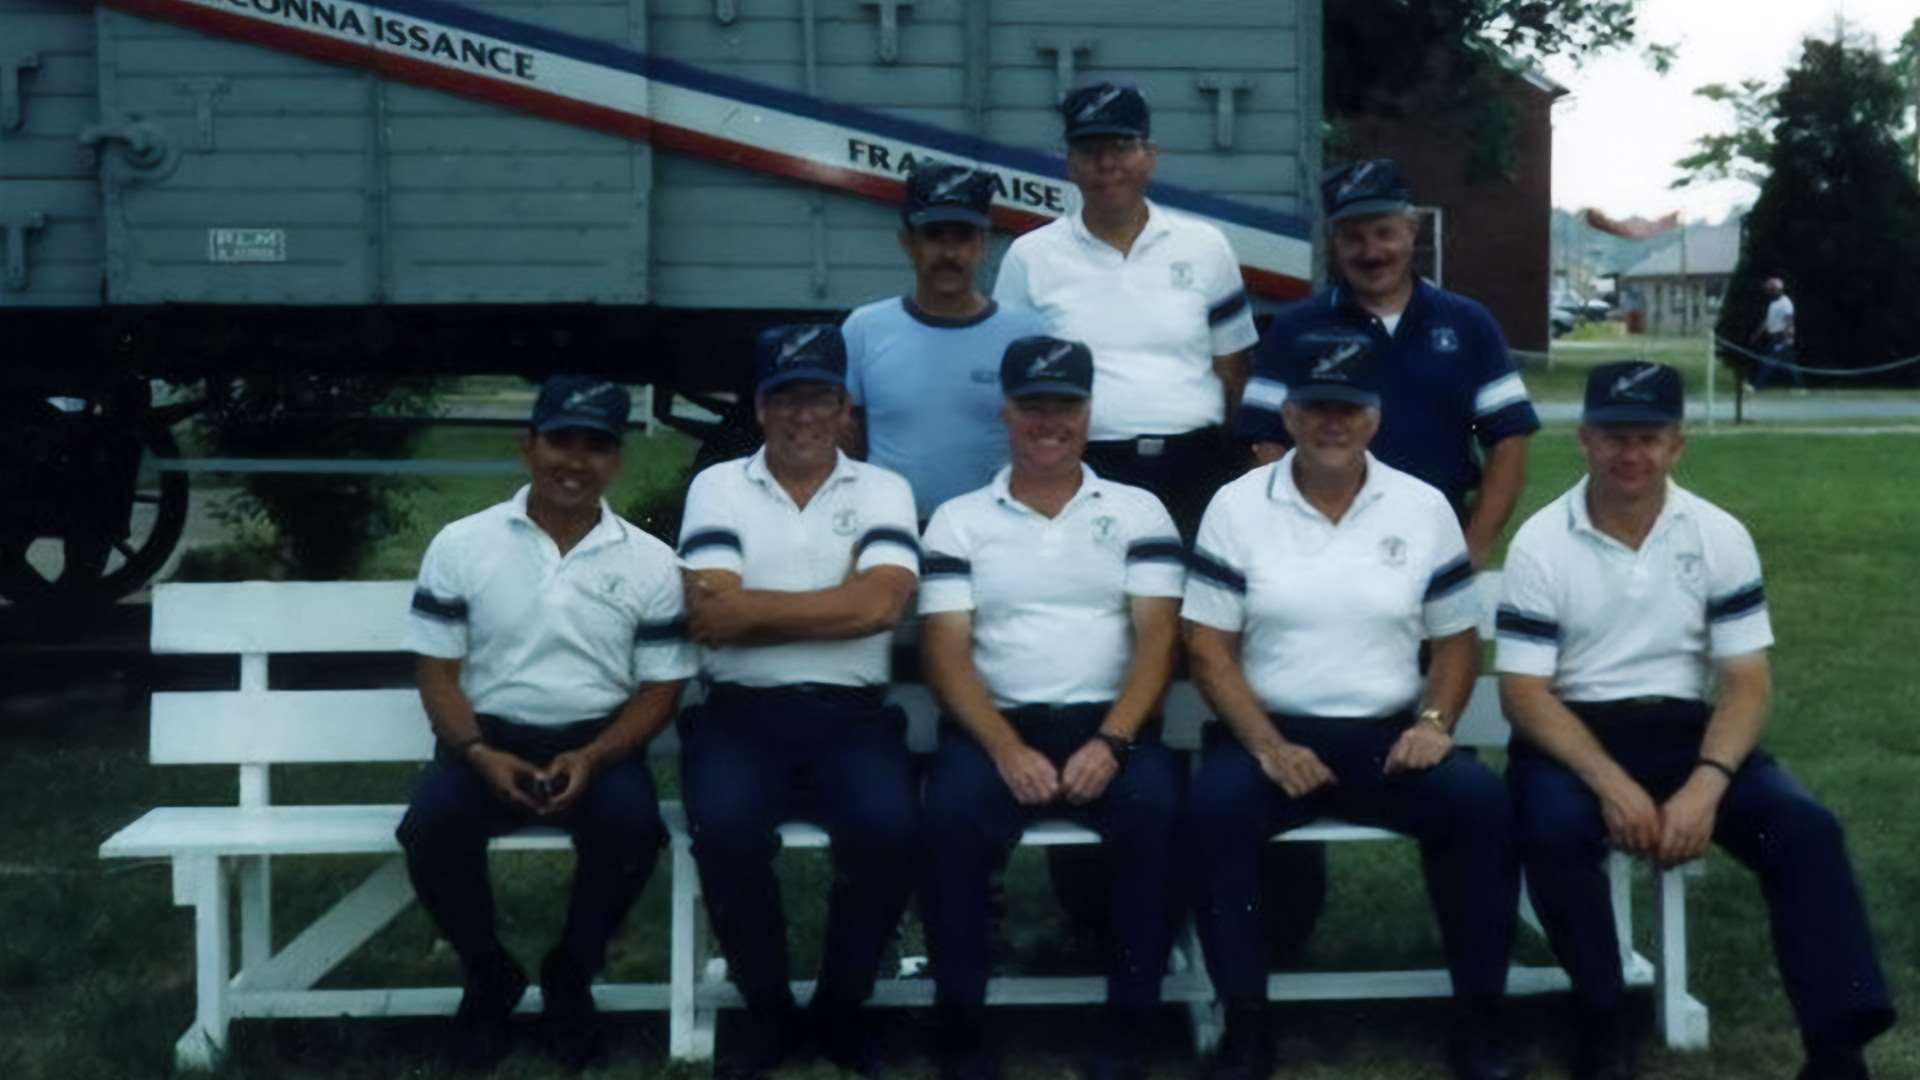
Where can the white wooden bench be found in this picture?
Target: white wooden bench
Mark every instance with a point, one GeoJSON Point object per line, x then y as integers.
{"type": "Point", "coordinates": [220, 852]}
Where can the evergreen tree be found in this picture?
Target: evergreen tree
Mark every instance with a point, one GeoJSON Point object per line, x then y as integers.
{"type": "Point", "coordinates": [1838, 217]}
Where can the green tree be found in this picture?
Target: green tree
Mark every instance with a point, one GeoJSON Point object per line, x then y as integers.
{"type": "Point", "coordinates": [1452, 58]}
{"type": "Point", "coordinates": [1740, 154]}
{"type": "Point", "coordinates": [1838, 216]}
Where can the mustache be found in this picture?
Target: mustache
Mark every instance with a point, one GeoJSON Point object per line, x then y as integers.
{"type": "Point", "coordinates": [948, 264]}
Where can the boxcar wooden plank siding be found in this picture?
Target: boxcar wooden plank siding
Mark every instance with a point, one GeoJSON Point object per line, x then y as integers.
{"type": "Point", "coordinates": [611, 170]}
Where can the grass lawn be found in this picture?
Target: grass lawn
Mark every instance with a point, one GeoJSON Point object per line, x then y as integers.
{"type": "Point", "coordinates": [95, 963]}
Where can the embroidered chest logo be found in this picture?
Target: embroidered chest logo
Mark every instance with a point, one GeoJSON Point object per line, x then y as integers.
{"type": "Point", "coordinates": [1393, 551]}
{"type": "Point", "coordinates": [846, 520]}
{"type": "Point", "coordinates": [1689, 568]}
{"type": "Point", "coordinates": [1445, 340]}
{"type": "Point", "coordinates": [1106, 530]}
{"type": "Point", "coordinates": [1182, 274]}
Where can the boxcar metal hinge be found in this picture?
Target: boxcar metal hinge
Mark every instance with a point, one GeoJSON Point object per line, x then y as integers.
{"type": "Point", "coordinates": [202, 91]}
{"type": "Point", "coordinates": [13, 107]}
{"type": "Point", "coordinates": [16, 229]}
{"type": "Point", "coordinates": [1066, 62]}
{"type": "Point", "coordinates": [1225, 89]}
{"type": "Point", "coordinates": [889, 12]}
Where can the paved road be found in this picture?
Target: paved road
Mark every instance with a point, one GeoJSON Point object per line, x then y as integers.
{"type": "Point", "coordinates": [1776, 408]}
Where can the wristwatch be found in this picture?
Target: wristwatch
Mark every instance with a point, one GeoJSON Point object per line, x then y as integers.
{"type": "Point", "coordinates": [1436, 717]}
{"type": "Point", "coordinates": [1120, 747]}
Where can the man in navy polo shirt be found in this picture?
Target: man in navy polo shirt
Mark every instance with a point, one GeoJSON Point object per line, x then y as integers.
{"type": "Point", "coordinates": [799, 561]}
{"type": "Point", "coordinates": [551, 648]}
{"type": "Point", "coordinates": [1050, 605]}
{"type": "Point", "coordinates": [1453, 410]}
{"type": "Point", "coordinates": [921, 368]}
{"type": "Point", "coordinates": [1624, 601]}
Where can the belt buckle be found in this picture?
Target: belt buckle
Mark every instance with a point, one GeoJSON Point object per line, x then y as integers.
{"type": "Point", "coordinates": [1150, 446]}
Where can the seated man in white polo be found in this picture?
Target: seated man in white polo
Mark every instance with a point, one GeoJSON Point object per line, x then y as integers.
{"type": "Point", "coordinates": [1313, 584]}
{"type": "Point", "coordinates": [1624, 600]}
{"type": "Point", "coordinates": [799, 561]}
{"type": "Point", "coordinates": [1051, 603]}
{"type": "Point", "coordinates": [552, 647]}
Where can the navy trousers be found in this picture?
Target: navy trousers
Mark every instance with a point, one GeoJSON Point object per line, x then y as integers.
{"type": "Point", "coordinates": [973, 823]}
{"type": "Point", "coordinates": [752, 759]}
{"type": "Point", "coordinates": [616, 830]}
{"type": "Point", "coordinates": [1457, 810]}
{"type": "Point", "coordinates": [1766, 820]}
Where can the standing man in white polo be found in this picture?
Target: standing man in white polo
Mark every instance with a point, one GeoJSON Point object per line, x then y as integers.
{"type": "Point", "coordinates": [551, 647]}
{"type": "Point", "coordinates": [1625, 600]}
{"type": "Point", "coordinates": [799, 562]}
{"type": "Point", "coordinates": [922, 369]}
{"type": "Point", "coordinates": [1155, 294]}
{"type": "Point", "coordinates": [1312, 587]}
{"type": "Point", "coordinates": [1050, 610]}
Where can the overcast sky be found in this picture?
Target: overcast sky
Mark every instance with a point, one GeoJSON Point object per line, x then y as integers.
{"type": "Point", "coordinates": [1617, 135]}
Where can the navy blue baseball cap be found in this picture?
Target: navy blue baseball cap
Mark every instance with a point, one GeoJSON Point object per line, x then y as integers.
{"type": "Point", "coordinates": [799, 352]}
{"type": "Point", "coordinates": [581, 401]}
{"type": "Point", "coordinates": [1037, 365]}
{"type": "Point", "coordinates": [1633, 392]}
{"type": "Point", "coordinates": [938, 192]}
{"type": "Point", "coordinates": [1364, 188]}
{"type": "Point", "coordinates": [1332, 366]}
{"type": "Point", "coordinates": [1105, 109]}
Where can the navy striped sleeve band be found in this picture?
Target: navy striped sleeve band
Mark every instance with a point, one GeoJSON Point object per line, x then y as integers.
{"type": "Point", "coordinates": [1449, 579]}
{"type": "Point", "coordinates": [1210, 568]}
{"type": "Point", "coordinates": [434, 607]}
{"type": "Point", "coordinates": [1510, 621]}
{"type": "Point", "coordinates": [937, 565]}
{"type": "Point", "coordinates": [886, 534]}
{"type": "Point", "coordinates": [1742, 601]}
{"type": "Point", "coordinates": [707, 538]}
{"type": "Point", "coordinates": [651, 633]}
{"type": "Point", "coordinates": [1228, 308]}
{"type": "Point", "coordinates": [1157, 549]}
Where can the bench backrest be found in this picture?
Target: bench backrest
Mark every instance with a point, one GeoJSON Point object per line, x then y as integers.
{"type": "Point", "coordinates": [258, 725]}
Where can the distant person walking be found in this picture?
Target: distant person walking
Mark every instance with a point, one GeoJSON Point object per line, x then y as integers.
{"type": "Point", "coordinates": [1775, 335]}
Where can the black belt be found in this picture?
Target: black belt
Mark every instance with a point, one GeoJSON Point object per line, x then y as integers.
{"type": "Point", "coordinates": [870, 697]}
{"type": "Point", "coordinates": [1152, 446]}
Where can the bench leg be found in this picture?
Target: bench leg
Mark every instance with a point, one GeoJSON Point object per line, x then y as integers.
{"type": "Point", "coordinates": [1620, 880]}
{"type": "Point", "coordinates": [256, 913]}
{"type": "Point", "coordinates": [1683, 1018]}
{"type": "Point", "coordinates": [689, 1029]}
{"type": "Point", "coordinates": [1204, 1015]}
{"type": "Point", "coordinates": [199, 881]}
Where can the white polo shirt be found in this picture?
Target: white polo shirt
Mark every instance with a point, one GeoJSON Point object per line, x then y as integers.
{"type": "Point", "coordinates": [1780, 315]}
{"type": "Point", "coordinates": [550, 638]}
{"type": "Point", "coordinates": [1049, 596]}
{"type": "Point", "coordinates": [1606, 622]}
{"type": "Point", "coordinates": [1331, 616]}
{"type": "Point", "coordinates": [1155, 317]}
{"type": "Point", "coordinates": [739, 518]}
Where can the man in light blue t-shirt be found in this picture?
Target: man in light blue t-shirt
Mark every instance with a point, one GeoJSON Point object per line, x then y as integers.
{"type": "Point", "coordinates": [923, 370]}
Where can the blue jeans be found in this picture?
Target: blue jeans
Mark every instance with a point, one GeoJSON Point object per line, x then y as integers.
{"type": "Point", "coordinates": [616, 829]}
{"type": "Point", "coordinates": [1457, 810]}
{"type": "Point", "coordinates": [1766, 820]}
{"type": "Point", "coordinates": [752, 759]}
{"type": "Point", "coordinates": [973, 824]}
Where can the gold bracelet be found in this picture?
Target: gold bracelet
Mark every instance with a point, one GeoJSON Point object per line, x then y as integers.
{"type": "Point", "coordinates": [1437, 718]}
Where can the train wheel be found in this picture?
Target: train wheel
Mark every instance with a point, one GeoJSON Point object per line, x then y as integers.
{"type": "Point", "coordinates": [101, 518]}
